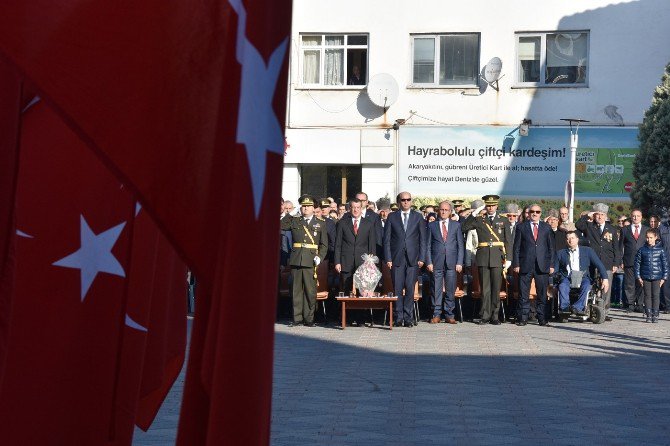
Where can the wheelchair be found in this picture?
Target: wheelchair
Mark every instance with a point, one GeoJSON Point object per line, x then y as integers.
{"type": "Point", "coordinates": [594, 310]}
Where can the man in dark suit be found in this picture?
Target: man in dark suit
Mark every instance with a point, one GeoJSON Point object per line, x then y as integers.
{"type": "Point", "coordinates": [492, 240]}
{"type": "Point", "coordinates": [603, 238]}
{"type": "Point", "coordinates": [330, 228]}
{"type": "Point", "coordinates": [404, 251]}
{"type": "Point", "coordinates": [374, 218]}
{"type": "Point", "coordinates": [445, 252]}
{"type": "Point", "coordinates": [576, 258]}
{"type": "Point", "coordinates": [310, 245]}
{"type": "Point", "coordinates": [632, 239]}
{"type": "Point", "coordinates": [533, 259]}
{"type": "Point", "coordinates": [354, 237]}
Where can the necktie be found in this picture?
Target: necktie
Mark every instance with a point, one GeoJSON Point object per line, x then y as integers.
{"type": "Point", "coordinates": [356, 227]}
{"type": "Point", "coordinates": [491, 219]}
{"type": "Point", "coordinates": [444, 230]}
{"type": "Point", "coordinates": [636, 234]}
{"type": "Point", "coordinates": [404, 220]}
{"type": "Point", "coordinates": [535, 231]}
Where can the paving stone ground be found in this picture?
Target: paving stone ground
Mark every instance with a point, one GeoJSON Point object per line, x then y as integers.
{"type": "Point", "coordinates": [569, 384]}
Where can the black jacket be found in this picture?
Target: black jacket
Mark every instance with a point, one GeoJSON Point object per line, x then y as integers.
{"type": "Point", "coordinates": [606, 245]}
{"type": "Point", "coordinates": [651, 263]}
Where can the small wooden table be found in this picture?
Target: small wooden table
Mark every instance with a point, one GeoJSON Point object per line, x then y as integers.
{"type": "Point", "coordinates": [367, 303]}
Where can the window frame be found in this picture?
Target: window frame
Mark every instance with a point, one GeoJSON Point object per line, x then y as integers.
{"type": "Point", "coordinates": [436, 73]}
{"type": "Point", "coordinates": [322, 60]}
{"type": "Point", "coordinates": [543, 59]}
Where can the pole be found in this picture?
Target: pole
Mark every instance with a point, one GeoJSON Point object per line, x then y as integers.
{"type": "Point", "coordinates": [574, 141]}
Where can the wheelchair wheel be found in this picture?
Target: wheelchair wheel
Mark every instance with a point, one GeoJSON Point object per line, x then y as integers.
{"type": "Point", "coordinates": [597, 314]}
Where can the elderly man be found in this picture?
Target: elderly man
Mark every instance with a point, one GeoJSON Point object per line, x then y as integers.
{"type": "Point", "coordinates": [445, 259]}
{"type": "Point", "coordinates": [493, 237]}
{"type": "Point", "coordinates": [603, 239]}
{"type": "Point", "coordinates": [533, 259]}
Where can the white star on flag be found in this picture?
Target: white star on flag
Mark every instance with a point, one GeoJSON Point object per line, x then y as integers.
{"type": "Point", "coordinates": [257, 125]}
{"type": "Point", "coordinates": [94, 256]}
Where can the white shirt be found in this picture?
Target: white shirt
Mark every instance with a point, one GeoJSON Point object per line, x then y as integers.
{"type": "Point", "coordinates": [574, 260]}
{"type": "Point", "coordinates": [354, 220]}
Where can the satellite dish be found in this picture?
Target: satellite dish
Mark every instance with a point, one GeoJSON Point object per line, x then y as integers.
{"type": "Point", "coordinates": [492, 72]}
{"type": "Point", "coordinates": [383, 90]}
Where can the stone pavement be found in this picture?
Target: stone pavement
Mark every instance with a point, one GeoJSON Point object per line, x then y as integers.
{"type": "Point", "coordinates": [569, 384]}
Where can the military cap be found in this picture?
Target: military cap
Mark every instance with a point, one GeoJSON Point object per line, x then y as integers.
{"type": "Point", "coordinates": [306, 200]}
{"type": "Point", "coordinates": [491, 200]}
{"type": "Point", "coordinates": [457, 203]}
{"type": "Point", "coordinates": [422, 208]}
{"type": "Point", "coordinates": [325, 203]}
{"type": "Point", "coordinates": [394, 207]}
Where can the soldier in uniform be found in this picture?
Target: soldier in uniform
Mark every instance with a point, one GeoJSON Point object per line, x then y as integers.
{"type": "Point", "coordinates": [492, 257]}
{"type": "Point", "coordinates": [458, 207]}
{"type": "Point", "coordinates": [330, 228]}
{"type": "Point", "coordinates": [310, 246]}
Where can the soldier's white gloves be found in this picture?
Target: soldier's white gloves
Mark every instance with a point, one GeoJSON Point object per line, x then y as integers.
{"type": "Point", "coordinates": [317, 260]}
{"type": "Point", "coordinates": [477, 211]}
{"type": "Point", "coordinates": [508, 263]}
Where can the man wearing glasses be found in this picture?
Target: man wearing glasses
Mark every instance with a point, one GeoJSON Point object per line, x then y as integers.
{"type": "Point", "coordinates": [404, 244]}
{"type": "Point", "coordinates": [492, 238]}
{"type": "Point", "coordinates": [604, 240]}
{"type": "Point", "coordinates": [533, 259]}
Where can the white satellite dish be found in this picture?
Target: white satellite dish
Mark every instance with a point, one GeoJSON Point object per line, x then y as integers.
{"type": "Point", "coordinates": [383, 90]}
{"type": "Point", "coordinates": [492, 72]}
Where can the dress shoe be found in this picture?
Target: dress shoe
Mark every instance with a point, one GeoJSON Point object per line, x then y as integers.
{"type": "Point", "coordinates": [398, 324]}
{"type": "Point", "coordinates": [435, 320]}
{"type": "Point", "coordinates": [495, 322]}
{"type": "Point", "coordinates": [309, 324]}
{"type": "Point", "coordinates": [543, 324]}
{"type": "Point", "coordinates": [578, 312]}
{"type": "Point", "coordinates": [522, 323]}
{"type": "Point", "coordinates": [482, 322]}
{"type": "Point", "coordinates": [295, 324]}
{"type": "Point", "coordinates": [451, 321]}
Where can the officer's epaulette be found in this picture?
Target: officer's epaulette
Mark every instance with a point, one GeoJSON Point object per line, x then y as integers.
{"type": "Point", "coordinates": [321, 218]}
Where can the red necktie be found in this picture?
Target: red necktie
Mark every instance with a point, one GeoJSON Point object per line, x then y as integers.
{"type": "Point", "coordinates": [444, 230]}
{"type": "Point", "coordinates": [356, 227]}
{"type": "Point", "coordinates": [535, 231]}
{"type": "Point", "coordinates": [636, 234]}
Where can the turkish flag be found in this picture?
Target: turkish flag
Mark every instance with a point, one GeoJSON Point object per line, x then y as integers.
{"type": "Point", "coordinates": [69, 295]}
{"type": "Point", "coordinates": [184, 103]}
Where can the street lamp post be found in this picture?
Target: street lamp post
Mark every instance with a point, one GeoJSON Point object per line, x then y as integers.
{"type": "Point", "coordinates": [574, 142]}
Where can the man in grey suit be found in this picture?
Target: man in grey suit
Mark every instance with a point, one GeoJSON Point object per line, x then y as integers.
{"type": "Point", "coordinates": [404, 251]}
{"type": "Point", "coordinates": [632, 239]}
{"type": "Point", "coordinates": [445, 258]}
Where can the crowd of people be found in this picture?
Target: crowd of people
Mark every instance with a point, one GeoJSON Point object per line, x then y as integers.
{"type": "Point", "coordinates": [530, 252]}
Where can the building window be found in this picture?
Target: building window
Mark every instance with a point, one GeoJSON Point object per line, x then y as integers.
{"type": "Point", "coordinates": [334, 60]}
{"type": "Point", "coordinates": [445, 60]}
{"type": "Point", "coordinates": [552, 59]}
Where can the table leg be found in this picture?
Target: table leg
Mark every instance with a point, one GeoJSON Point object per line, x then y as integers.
{"type": "Point", "coordinates": [344, 315]}
{"type": "Point", "coordinates": [390, 316]}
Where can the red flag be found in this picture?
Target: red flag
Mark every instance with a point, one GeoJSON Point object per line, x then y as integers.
{"type": "Point", "coordinates": [10, 100]}
{"type": "Point", "coordinates": [184, 101]}
{"type": "Point", "coordinates": [68, 311]}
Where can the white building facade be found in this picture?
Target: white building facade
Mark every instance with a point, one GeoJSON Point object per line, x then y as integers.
{"type": "Point", "coordinates": [597, 60]}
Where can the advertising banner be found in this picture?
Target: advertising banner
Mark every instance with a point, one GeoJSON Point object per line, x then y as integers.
{"type": "Point", "coordinates": [474, 161]}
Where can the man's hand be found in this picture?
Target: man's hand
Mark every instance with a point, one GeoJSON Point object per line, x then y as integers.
{"type": "Point", "coordinates": [420, 264]}
{"type": "Point", "coordinates": [551, 270]}
{"type": "Point", "coordinates": [478, 210]}
{"type": "Point", "coordinates": [606, 285]}
{"type": "Point", "coordinates": [317, 260]}
{"type": "Point", "coordinates": [389, 264]}
{"type": "Point", "coordinates": [516, 269]}
{"type": "Point", "coordinates": [459, 268]}
{"type": "Point", "coordinates": [454, 217]}
{"type": "Point", "coordinates": [430, 267]}
{"type": "Point", "coordinates": [640, 281]}
{"type": "Point", "coordinates": [614, 269]}
{"type": "Point", "coordinates": [338, 268]}
{"type": "Point", "coordinates": [508, 263]}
